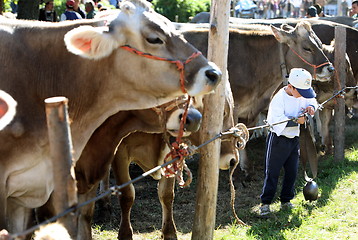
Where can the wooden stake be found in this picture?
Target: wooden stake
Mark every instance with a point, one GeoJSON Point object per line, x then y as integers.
{"type": "Point", "coordinates": [339, 83]}
{"type": "Point", "coordinates": [208, 173]}
{"type": "Point", "coordinates": [65, 189]}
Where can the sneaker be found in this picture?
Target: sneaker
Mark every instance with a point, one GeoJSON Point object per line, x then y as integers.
{"type": "Point", "coordinates": [287, 205]}
{"type": "Point", "coordinates": [265, 209]}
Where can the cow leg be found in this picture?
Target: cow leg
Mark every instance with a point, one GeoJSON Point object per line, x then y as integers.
{"type": "Point", "coordinates": [19, 218]}
{"type": "Point", "coordinates": [326, 140]}
{"type": "Point", "coordinates": [120, 169]}
{"type": "Point", "coordinates": [104, 204]}
{"type": "Point", "coordinates": [2, 201]}
{"type": "Point", "coordinates": [245, 165]}
{"type": "Point", "coordinates": [166, 198]}
{"type": "Point", "coordinates": [86, 215]}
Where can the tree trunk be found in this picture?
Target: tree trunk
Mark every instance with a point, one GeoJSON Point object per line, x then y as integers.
{"type": "Point", "coordinates": [28, 9]}
{"type": "Point", "coordinates": [1, 6]}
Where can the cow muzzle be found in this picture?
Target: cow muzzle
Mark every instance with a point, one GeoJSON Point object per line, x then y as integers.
{"type": "Point", "coordinates": [192, 122]}
{"type": "Point", "coordinates": [206, 80]}
{"type": "Point", "coordinates": [326, 73]}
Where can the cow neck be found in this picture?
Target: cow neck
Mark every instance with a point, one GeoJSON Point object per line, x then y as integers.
{"type": "Point", "coordinates": [180, 64]}
{"type": "Point", "coordinates": [283, 65]}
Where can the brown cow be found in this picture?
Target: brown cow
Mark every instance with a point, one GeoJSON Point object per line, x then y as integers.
{"type": "Point", "coordinates": [98, 153]}
{"type": "Point", "coordinates": [255, 56]}
{"type": "Point", "coordinates": [325, 30]}
{"type": "Point", "coordinates": [148, 151]}
{"type": "Point", "coordinates": [100, 79]}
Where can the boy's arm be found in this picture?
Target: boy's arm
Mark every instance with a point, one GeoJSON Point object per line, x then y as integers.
{"type": "Point", "coordinates": [312, 106]}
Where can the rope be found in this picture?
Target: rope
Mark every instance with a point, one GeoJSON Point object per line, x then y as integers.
{"type": "Point", "coordinates": [312, 65]}
{"type": "Point", "coordinates": [180, 64]}
{"type": "Point", "coordinates": [177, 148]}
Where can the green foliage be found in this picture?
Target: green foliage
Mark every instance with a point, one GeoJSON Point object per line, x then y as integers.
{"type": "Point", "coordinates": [7, 7]}
{"type": "Point", "coordinates": [183, 9]}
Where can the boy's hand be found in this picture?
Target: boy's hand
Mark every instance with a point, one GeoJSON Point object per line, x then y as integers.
{"type": "Point", "coordinates": [301, 120]}
{"type": "Point", "coordinates": [310, 110]}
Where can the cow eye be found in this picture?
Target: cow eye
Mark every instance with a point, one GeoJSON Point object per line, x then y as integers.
{"type": "Point", "coordinates": [307, 49]}
{"type": "Point", "coordinates": [154, 41]}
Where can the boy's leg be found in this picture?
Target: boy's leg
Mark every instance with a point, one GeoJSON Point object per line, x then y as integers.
{"type": "Point", "coordinates": [291, 170]}
{"type": "Point", "coordinates": [276, 154]}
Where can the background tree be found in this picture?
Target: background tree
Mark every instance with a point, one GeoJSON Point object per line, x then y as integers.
{"type": "Point", "coordinates": [28, 9]}
{"type": "Point", "coordinates": [183, 9]}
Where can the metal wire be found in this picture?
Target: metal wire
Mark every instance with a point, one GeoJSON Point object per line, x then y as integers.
{"type": "Point", "coordinates": [116, 189]}
{"type": "Point", "coordinates": [113, 189]}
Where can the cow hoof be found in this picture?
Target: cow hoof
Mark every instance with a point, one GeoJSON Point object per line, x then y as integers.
{"type": "Point", "coordinates": [170, 238]}
{"type": "Point", "coordinates": [125, 237]}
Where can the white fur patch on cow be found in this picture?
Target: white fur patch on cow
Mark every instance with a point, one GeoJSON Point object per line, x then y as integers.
{"type": "Point", "coordinates": [9, 111]}
{"type": "Point", "coordinates": [201, 85]}
{"type": "Point", "coordinates": [53, 231]}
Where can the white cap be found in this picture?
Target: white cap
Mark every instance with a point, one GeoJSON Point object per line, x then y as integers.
{"type": "Point", "coordinates": [301, 79]}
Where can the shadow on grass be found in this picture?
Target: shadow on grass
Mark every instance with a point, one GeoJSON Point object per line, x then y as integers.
{"type": "Point", "coordinates": [146, 213]}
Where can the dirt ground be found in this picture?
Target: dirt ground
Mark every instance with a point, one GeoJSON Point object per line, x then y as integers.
{"type": "Point", "coordinates": [146, 212]}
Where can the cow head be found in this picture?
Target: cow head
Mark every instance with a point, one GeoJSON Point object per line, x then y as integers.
{"type": "Point", "coordinates": [172, 113]}
{"type": "Point", "coordinates": [326, 90]}
{"type": "Point", "coordinates": [7, 109]}
{"type": "Point", "coordinates": [155, 51]}
{"type": "Point", "coordinates": [306, 50]}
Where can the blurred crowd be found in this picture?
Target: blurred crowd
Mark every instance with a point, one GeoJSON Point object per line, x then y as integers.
{"type": "Point", "coordinates": [265, 9]}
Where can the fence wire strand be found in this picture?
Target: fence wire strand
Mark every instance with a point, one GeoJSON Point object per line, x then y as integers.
{"type": "Point", "coordinates": [116, 188]}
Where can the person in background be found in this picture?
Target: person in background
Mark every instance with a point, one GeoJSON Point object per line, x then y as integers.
{"type": "Point", "coordinates": [354, 11]}
{"type": "Point", "coordinates": [89, 8]}
{"type": "Point", "coordinates": [320, 13]}
{"type": "Point", "coordinates": [77, 9]}
{"type": "Point", "coordinates": [311, 12]}
{"type": "Point", "coordinates": [100, 7]}
{"type": "Point", "coordinates": [48, 13]}
{"type": "Point", "coordinates": [282, 145]}
{"type": "Point", "coordinates": [70, 14]}
{"type": "Point", "coordinates": [344, 6]}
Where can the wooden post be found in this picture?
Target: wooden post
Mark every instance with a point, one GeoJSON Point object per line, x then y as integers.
{"type": "Point", "coordinates": [339, 83]}
{"type": "Point", "coordinates": [65, 190]}
{"type": "Point", "coordinates": [208, 173]}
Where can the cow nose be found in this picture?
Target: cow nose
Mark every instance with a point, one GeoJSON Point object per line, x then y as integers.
{"type": "Point", "coordinates": [193, 120]}
{"type": "Point", "coordinates": [331, 68]}
{"type": "Point", "coordinates": [214, 76]}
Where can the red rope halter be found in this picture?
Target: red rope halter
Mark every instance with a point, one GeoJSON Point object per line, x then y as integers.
{"type": "Point", "coordinates": [177, 149]}
{"type": "Point", "coordinates": [180, 64]}
{"type": "Point", "coordinates": [312, 65]}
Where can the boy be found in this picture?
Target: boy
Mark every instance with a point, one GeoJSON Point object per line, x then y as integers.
{"type": "Point", "coordinates": [282, 145]}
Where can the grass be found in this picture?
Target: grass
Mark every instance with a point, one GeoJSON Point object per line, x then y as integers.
{"type": "Point", "coordinates": [333, 216]}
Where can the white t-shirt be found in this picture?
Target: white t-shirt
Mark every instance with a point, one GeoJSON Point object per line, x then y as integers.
{"type": "Point", "coordinates": [283, 107]}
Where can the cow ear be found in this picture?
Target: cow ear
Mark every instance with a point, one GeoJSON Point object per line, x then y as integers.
{"type": "Point", "coordinates": [276, 32]}
{"type": "Point", "coordinates": [7, 109]}
{"type": "Point", "coordinates": [280, 34]}
{"type": "Point", "coordinates": [127, 7]}
{"type": "Point", "coordinates": [91, 42]}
